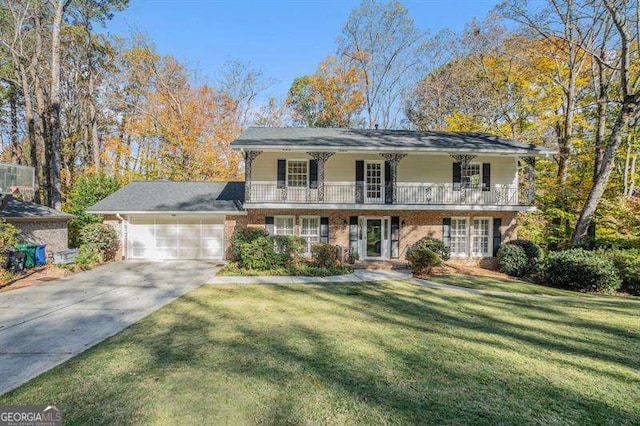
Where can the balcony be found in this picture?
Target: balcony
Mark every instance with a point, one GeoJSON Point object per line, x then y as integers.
{"type": "Point", "coordinates": [405, 194]}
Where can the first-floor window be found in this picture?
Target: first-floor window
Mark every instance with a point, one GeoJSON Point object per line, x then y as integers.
{"type": "Point", "coordinates": [481, 237]}
{"type": "Point", "coordinates": [459, 237]}
{"type": "Point", "coordinates": [310, 231]}
{"type": "Point", "coordinates": [283, 225]}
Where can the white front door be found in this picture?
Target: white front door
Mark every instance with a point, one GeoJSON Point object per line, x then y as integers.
{"type": "Point", "coordinates": [374, 179]}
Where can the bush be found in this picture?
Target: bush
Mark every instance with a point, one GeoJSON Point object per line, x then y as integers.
{"type": "Point", "coordinates": [325, 255]}
{"type": "Point", "coordinates": [245, 235]}
{"type": "Point", "coordinates": [288, 247]}
{"type": "Point", "coordinates": [421, 260]}
{"type": "Point", "coordinates": [627, 263]}
{"type": "Point", "coordinates": [432, 244]}
{"type": "Point", "coordinates": [258, 254]}
{"type": "Point", "coordinates": [8, 239]}
{"type": "Point", "coordinates": [103, 237]}
{"type": "Point", "coordinates": [87, 190]}
{"type": "Point", "coordinates": [581, 270]}
{"type": "Point", "coordinates": [512, 260]}
{"type": "Point", "coordinates": [88, 256]}
{"type": "Point", "coordinates": [534, 256]}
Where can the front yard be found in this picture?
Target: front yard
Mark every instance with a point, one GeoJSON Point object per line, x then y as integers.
{"type": "Point", "coordinates": [366, 353]}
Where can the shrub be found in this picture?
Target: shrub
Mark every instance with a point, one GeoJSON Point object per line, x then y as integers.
{"type": "Point", "coordinates": [581, 270]}
{"type": "Point", "coordinates": [288, 247]}
{"type": "Point", "coordinates": [434, 245]}
{"type": "Point", "coordinates": [258, 254]}
{"type": "Point", "coordinates": [87, 190]}
{"type": "Point", "coordinates": [627, 263]}
{"type": "Point", "coordinates": [103, 237]}
{"type": "Point", "coordinates": [325, 255]}
{"type": "Point", "coordinates": [534, 256]}
{"type": "Point", "coordinates": [245, 235]}
{"type": "Point", "coordinates": [88, 256]}
{"type": "Point", "coordinates": [8, 239]}
{"type": "Point", "coordinates": [512, 260]}
{"type": "Point", "coordinates": [421, 260]}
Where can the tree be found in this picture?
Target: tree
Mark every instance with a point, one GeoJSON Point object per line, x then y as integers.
{"type": "Point", "coordinates": [381, 41]}
{"type": "Point", "coordinates": [625, 15]}
{"type": "Point", "coordinates": [332, 97]}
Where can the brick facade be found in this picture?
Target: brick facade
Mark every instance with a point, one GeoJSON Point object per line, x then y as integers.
{"type": "Point", "coordinates": [413, 224]}
{"type": "Point", "coordinates": [52, 233]}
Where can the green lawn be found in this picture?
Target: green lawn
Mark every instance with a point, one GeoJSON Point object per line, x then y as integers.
{"type": "Point", "coordinates": [362, 353]}
{"type": "Point", "coordinates": [504, 284]}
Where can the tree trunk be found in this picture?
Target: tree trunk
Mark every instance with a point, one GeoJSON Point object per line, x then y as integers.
{"type": "Point", "coordinates": [629, 109]}
{"type": "Point", "coordinates": [54, 109]}
{"type": "Point", "coordinates": [14, 146]}
{"type": "Point", "coordinates": [31, 130]}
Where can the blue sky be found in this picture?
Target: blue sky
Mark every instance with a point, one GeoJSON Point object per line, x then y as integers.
{"type": "Point", "coordinates": [284, 39]}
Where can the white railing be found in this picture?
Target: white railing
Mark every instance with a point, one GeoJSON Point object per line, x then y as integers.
{"type": "Point", "coordinates": [427, 193]}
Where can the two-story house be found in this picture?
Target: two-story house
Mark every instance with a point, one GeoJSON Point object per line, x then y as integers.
{"type": "Point", "coordinates": [370, 192]}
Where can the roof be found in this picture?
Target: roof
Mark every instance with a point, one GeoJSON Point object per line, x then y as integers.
{"type": "Point", "coordinates": [174, 197]}
{"type": "Point", "coordinates": [17, 209]}
{"type": "Point", "coordinates": [302, 138]}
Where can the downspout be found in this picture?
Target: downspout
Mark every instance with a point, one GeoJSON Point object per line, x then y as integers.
{"type": "Point", "coordinates": [122, 235]}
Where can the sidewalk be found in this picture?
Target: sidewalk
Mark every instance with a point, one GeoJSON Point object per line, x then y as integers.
{"type": "Point", "coordinates": [358, 275]}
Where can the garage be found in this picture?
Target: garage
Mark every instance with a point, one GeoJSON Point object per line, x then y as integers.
{"type": "Point", "coordinates": [175, 237]}
{"type": "Point", "coordinates": [163, 220]}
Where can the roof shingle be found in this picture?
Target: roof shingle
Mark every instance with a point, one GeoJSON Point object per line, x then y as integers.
{"type": "Point", "coordinates": [168, 196]}
{"type": "Point", "coordinates": [380, 140]}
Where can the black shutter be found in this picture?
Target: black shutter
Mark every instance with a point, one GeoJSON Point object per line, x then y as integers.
{"type": "Point", "coordinates": [313, 174]}
{"type": "Point", "coordinates": [388, 183]}
{"type": "Point", "coordinates": [395, 237]}
{"type": "Point", "coordinates": [353, 234]}
{"type": "Point", "coordinates": [268, 224]}
{"type": "Point", "coordinates": [457, 176]}
{"type": "Point", "coordinates": [446, 231]}
{"type": "Point", "coordinates": [486, 176]}
{"type": "Point", "coordinates": [359, 181]}
{"type": "Point", "coordinates": [324, 230]}
{"type": "Point", "coordinates": [282, 173]}
{"type": "Point", "coordinates": [497, 235]}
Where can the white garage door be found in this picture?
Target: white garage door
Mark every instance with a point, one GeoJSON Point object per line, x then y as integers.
{"type": "Point", "coordinates": [175, 237]}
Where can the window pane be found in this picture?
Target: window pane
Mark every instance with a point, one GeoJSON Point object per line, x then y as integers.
{"type": "Point", "coordinates": [297, 173]}
{"type": "Point", "coordinates": [310, 231]}
{"type": "Point", "coordinates": [481, 237]}
{"type": "Point", "coordinates": [283, 225]}
{"type": "Point", "coordinates": [471, 175]}
{"type": "Point", "coordinates": [459, 237]}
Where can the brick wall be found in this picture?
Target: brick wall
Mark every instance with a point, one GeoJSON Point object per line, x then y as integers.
{"type": "Point", "coordinates": [417, 224]}
{"type": "Point", "coordinates": [52, 233]}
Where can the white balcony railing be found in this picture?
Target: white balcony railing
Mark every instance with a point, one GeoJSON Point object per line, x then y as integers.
{"type": "Point", "coordinates": [442, 194]}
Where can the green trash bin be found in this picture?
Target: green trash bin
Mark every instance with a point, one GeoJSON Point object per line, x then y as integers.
{"type": "Point", "coordinates": [30, 254]}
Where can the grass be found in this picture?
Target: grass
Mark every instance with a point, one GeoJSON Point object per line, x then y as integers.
{"type": "Point", "coordinates": [503, 284]}
{"type": "Point", "coordinates": [361, 353]}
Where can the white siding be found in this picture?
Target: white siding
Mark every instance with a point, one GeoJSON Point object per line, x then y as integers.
{"type": "Point", "coordinates": [414, 168]}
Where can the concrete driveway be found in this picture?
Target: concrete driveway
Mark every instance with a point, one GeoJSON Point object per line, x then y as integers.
{"type": "Point", "coordinates": [43, 326]}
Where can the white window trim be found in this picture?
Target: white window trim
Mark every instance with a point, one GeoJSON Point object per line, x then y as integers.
{"type": "Point", "coordinates": [286, 179]}
{"type": "Point", "coordinates": [473, 163]}
{"type": "Point", "coordinates": [300, 218]}
{"type": "Point", "coordinates": [489, 237]}
{"type": "Point", "coordinates": [382, 182]}
{"type": "Point", "coordinates": [468, 237]}
{"type": "Point", "coordinates": [275, 226]}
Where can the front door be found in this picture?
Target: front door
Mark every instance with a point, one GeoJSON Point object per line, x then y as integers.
{"type": "Point", "coordinates": [373, 182]}
{"type": "Point", "coordinates": [374, 238]}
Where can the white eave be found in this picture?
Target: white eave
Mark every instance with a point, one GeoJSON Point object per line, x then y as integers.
{"type": "Point", "coordinates": [178, 212]}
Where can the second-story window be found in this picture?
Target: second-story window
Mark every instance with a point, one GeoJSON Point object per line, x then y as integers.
{"type": "Point", "coordinates": [471, 175]}
{"type": "Point", "coordinates": [297, 173]}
